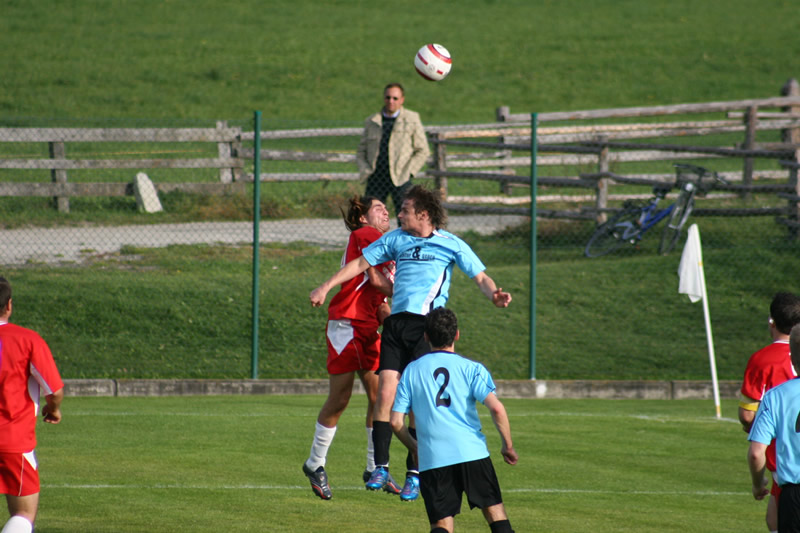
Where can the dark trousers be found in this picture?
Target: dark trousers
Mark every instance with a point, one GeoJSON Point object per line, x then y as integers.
{"type": "Point", "coordinates": [380, 185]}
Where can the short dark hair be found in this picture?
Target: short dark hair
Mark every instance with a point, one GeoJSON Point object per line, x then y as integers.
{"type": "Point", "coordinates": [785, 311]}
{"type": "Point", "coordinates": [430, 201]}
{"type": "Point", "coordinates": [794, 345]}
{"type": "Point", "coordinates": [5, 292]}
{"type": "Point", "coordinates": [441, 327]}
{"type": "Point", "coordinates": [393, 85]}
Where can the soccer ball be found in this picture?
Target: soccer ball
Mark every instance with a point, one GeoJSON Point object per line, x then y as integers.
{"type": "Point", "coordinates": [433, 62]}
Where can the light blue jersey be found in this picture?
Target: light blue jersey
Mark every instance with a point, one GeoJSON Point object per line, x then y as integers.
{"type": "Point", "coordinates": [778, 417]}
{"type": "Point", "coordinates": [424, 267]}
{"type": "Point", "coordinates": [442, 388]}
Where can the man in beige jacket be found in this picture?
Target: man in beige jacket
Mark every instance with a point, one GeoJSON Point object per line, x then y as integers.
{"type": "Point", "coordinates": [393, 148]}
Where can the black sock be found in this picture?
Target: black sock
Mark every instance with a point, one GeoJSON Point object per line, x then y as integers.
{"type": "Point", "coordinates": [381, 437]}
{"type": "Point", "coordinates": [411, 465]}
{"type": "Point", "coordinates": [438, 530]}
{"type": "Point", "coordinates": [501, 526]}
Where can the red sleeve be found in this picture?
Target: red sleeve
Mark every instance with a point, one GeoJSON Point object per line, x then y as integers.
{"type": "Point", "coordinates": [43, 367]}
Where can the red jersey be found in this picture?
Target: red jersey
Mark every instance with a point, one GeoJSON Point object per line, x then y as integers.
{"type": "Point", "coordinates": [27, 370]}
{"type": "Point", "coordinates": [767, 368]}
{"type": "Point", "coordinates": [357, 299]}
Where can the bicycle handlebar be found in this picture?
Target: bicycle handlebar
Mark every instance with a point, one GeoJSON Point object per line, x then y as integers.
{"type": "Point", "coordinates": [699, 172]}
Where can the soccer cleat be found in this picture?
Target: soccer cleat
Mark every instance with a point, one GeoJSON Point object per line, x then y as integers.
{"type": "Point", "coordinates": [381, 479]}
{"type": "Point", "coordinates": [378, 478]}
{"type": "Point", "coordinates": [319, 482]}
{"type": "Point", "coordinates": [391, 485]}
{"type": "Point", "coordinates": [366, 475]}
{"type": "Point", "coordinates": [410, 489]}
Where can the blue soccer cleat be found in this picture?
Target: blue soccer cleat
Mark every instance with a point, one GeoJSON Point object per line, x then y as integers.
{"type": "Point", "coordinates": [410, 490]}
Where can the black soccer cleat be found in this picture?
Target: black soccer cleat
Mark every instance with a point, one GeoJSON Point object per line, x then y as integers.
{"type": "Point", "coordinates": [319, 482]}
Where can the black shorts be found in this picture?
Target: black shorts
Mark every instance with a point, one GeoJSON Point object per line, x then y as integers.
{"type": "Point", "coordinates": [402, 341]}
{"type": "Point", "coordinates": [441, 488]}
{"type": "Point", "coordinates": [788, 507]}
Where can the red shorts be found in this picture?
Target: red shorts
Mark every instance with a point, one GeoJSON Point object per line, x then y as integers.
{"type": "Point", "coordinates": [352, 346]}
{"type": "Point", "coordinates": [776, 489]}
{"type": "Point", "coordinates": [19, 474]}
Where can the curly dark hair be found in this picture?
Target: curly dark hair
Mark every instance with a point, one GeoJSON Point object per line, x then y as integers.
{"type": "Point", "coordinates": [430, 201]}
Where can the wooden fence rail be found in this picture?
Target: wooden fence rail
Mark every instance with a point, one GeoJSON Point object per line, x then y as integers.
{"type": "Point", "coordinates": [595, 144]}
{"type": "Point", "coordinates": [229, 164]}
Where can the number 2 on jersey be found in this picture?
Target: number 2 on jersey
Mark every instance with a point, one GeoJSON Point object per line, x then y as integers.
{"type": "Point", "coordinates": [440, 399]}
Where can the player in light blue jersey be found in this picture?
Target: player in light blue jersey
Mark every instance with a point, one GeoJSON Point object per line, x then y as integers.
{"type": "Point", "coordinates": [424, 267]}
{"type": "Point", "coordinates": [425, 255]}
{"type": "Point", "coordinates": [442, 388]}
{"type": "Point", "coordinates": [778, 417]}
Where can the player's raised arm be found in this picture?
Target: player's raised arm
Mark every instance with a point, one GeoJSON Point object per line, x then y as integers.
{"type": "Point", "coordinates": [347, 272]}
{"type": "Point", "coordinates": [491, 291]}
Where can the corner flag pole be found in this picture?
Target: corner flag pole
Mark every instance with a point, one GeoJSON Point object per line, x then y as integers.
{"type": "Point", "coordinates": [709, 338]}
{"type": "Point", "coordinates": [693, 283]}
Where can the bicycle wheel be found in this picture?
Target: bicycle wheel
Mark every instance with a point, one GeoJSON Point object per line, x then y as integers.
{"type": "Point", "coordinates": [677, 219]}
{"type": "Point", "coordinates": [622, 229]}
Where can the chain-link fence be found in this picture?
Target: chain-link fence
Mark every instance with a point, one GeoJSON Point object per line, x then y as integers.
{"type": "Point", "coordinates": [129, 244]}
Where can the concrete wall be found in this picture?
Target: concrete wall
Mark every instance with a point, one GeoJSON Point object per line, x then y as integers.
{"type": "Point", "coordinates": [640, 390]}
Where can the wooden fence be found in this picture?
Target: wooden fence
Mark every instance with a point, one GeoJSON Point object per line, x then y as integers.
{"type": "Point", "coordinates": [228, 163]}
{"type": "Point", "coordinates": [493, 151]}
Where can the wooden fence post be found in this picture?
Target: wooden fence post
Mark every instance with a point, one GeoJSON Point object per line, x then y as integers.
{"type": "Point", "coordinates": [501, 113]}
{"type": "Point", "coordinates": [57, 151]}
{"type": "Point", "coordinates": [794, 206]}
{"type": "Point", "coordinates": [224, 152]}
{"type": "Point", "coordinates": [602, 184]}
{"type": "Point", "coordinates": [751, 121]}
{"type": "Point", "coordinates": [440, 163]}
{"type": "Point", "coordinates": [791, 88]}
{"type": "Point", "coordinates": [236, 151]}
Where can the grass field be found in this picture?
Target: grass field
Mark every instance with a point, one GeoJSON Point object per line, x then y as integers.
{"type": "Point", "coordinates": [230, 463]}
{"type": "Point", "coordinates": [303, 60]}
{"type": "Point", "coordinates": [233, 464]}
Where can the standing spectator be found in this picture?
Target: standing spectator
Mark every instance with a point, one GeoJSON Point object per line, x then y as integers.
{"type": "Point", "coordinates": [442, 388]}
{"type": "Point", "coordinates": [393, 148]}
{"type": "Point", "coordinates": [354, 316]}
{"type": "Point", "coordinates": [425, 256]}
{"type": "Point", "coordinates": [767, 368]}
{"type": "Point", "coordinates": [777, 419]}
{"type": "Point", "coordinates": [27, 371]}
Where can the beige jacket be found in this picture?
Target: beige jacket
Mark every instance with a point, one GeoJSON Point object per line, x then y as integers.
{"type": "Point", "coordinates": [408, 146]}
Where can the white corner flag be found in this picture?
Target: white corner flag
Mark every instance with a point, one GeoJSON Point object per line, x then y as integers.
{"type": "Point", "coordinates": [693, 283]}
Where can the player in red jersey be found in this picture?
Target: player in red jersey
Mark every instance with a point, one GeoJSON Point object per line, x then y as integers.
{"type": "Point", "coordinates": [27, 370]}
{"type": "Point", "coordinates": [354, 343]}
{"type": "Point", "coordinates": [768, 368]}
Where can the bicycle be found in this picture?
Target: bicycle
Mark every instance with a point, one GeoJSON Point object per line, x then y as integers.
{"type": "Point", "coordinates": [637, 217]}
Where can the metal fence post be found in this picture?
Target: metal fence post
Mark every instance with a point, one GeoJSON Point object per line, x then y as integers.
{"type": "Point", "coordinates": [534, 185]}
{"type": "Point", "coordinates": [256, 237]}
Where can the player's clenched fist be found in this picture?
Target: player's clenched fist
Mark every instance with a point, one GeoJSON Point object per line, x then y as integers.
{"type": "Point", "coordinates": [317, 296]}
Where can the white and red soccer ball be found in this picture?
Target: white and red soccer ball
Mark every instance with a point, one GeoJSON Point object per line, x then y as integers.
{"type": "Point", "coordinates": [433, 62]}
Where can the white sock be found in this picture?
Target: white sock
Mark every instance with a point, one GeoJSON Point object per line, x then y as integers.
{"type": "Point", "coordinates": [370, 451]}
{"type": "Point", "coordinates": [17, 524]}
{"type": "Point", "coordinates": [323, 437]}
